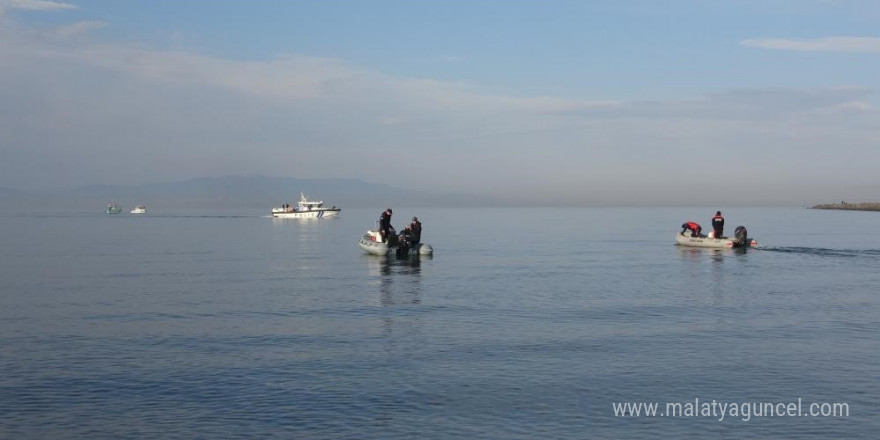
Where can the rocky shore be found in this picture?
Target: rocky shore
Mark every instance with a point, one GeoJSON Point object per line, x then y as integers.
{"type": "Point", "coordinates": [850, 206]}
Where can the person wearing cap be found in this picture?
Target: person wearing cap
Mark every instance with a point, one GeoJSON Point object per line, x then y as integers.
{"type": "Point", "coordinates": [415, 231]}
{"type": "Point", "coordinates": [718, 224]}
{"type": "Point", "coordinates": [385, 224]}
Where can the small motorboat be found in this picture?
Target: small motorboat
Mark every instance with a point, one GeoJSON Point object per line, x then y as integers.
{"type": "Point", "coordinates": [140, 209]}
{"type": "Point", "coordinates": [741, 239]}
{"type": "Point", "coordinates": [305, 208]}
{"type": "Point", "coordinates": [371, 243]}
{"type": "Point", "coordinates": [112, 208]}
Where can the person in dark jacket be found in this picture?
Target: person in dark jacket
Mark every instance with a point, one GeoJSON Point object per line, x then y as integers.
{"type": "Point", "coordinates": [385, 224]}
{"type": "Point", "coordinates": [415, 231]}
{"type": "Point", "coordinates": [695, 228]}
{"type": "Point", "coordinates": [718, 224]}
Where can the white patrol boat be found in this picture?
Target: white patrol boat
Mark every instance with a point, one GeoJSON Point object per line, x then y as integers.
{"type": "Point", "coordinates": [740, 240]}
{"type": "Point", "coordinates": [139, 209]}
{"type": "Point", "coordinates": [305, 208]}
{"type": "Point", "coordinates": [371, 243]}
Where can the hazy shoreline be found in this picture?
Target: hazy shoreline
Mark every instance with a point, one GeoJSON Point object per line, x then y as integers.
{"type": "Point", "coordinates": [850, 206]}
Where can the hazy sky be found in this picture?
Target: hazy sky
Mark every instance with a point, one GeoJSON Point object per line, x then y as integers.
{"type": "Point", "coordinates": [772, 101]}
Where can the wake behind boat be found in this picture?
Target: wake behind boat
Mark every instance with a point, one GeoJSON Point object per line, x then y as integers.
{"type": "Point", "coordinates": [305, 208]}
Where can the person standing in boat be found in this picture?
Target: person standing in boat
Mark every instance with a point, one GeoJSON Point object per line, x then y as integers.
{"type": "Point", "coordinates": [385, 224]}
{"type": "Point", "coordinates": [718, 224]}
{"type": "Point", "coordinates": [694, 227]}
{"type": "Point", "coordinates": [415, 231]}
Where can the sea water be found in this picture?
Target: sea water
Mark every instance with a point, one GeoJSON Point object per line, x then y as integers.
{"type": "Point", "coordinates": [526, 324]}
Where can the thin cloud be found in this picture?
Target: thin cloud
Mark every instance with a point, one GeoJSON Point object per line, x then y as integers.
{"type": "Point", "coordinates": [855, 107]}
{"type": "Point", "coordinates": [79, 28]}
{"type": "Point", "coordinates": [35, 5]}
{"type": "Point", "coordinates": [441, 59]}
{"type": "Point", "coordinates": [448, 59]}
{"type": "Point", "coordinates": [295, 78]}
{"type": "Point", "coordinates": [826, 44]}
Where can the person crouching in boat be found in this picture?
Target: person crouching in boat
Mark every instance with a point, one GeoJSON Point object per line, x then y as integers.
{"type": "Point", "coordinates": [695, 228]}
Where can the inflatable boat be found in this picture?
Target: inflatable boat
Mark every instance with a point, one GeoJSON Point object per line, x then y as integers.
{"type": "Point", "coordinates": [371, 243]}
{"type": "Point", "coordinates": [741, 239]}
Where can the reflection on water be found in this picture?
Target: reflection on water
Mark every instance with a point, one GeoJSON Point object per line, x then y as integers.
{"type": "Point", "coordinates": [398, 283]}
{"type": "Point", "coordinates": [398, 278]}
{"type": "Point", "coordinates": [715, 276]}
{"type": "Point", "coordinates": [717, 255]}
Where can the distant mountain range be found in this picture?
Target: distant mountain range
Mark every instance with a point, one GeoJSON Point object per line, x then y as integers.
{"type": "Point", "coordinates": [241, 192]}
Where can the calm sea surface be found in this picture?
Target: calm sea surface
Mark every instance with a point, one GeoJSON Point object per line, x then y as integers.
{"type": "Point", "coordinates": [526, 324]}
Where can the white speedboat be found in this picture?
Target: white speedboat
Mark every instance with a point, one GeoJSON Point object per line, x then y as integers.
{"type": "Point", "coordinates": [371, 243]}
{"type": "Point", "coordinates": [139, 209]}
{"type": "Point", "coordinates": [305, 208]}
{"type": "Point", "coordinates": [740, 240]}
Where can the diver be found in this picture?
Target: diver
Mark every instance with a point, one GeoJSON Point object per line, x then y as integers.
{"type": "Point", "coordinates": [404, 240]}
{"type": "Point", "coordinates": [385, 224]}
{"type": "Point", "coordinates": [718, 225]}
{"type": "Point", "coordinates": [405, 235]}
{"type": "Point", "coordinates": [694, 227]}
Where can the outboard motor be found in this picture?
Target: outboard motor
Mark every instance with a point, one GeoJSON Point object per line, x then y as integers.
{"type": "Point", "coordinates": [742, 235]}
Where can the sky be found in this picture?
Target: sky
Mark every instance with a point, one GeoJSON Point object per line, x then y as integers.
{"type": "Point", "coordinates": [628, 102]}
